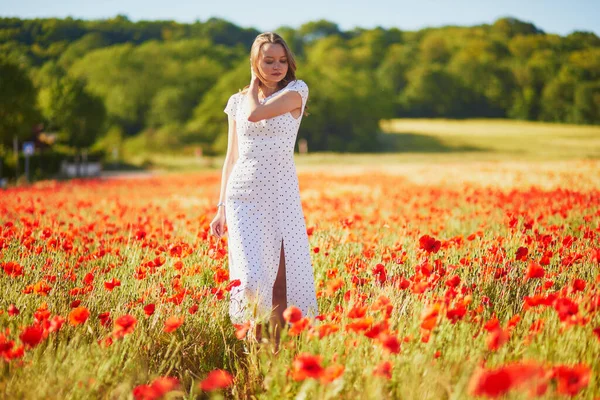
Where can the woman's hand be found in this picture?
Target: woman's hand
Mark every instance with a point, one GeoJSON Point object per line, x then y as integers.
{"type": "Point", "coordinates": [217, 226]}
{"type": "Point", "coordinates": [254, 80]}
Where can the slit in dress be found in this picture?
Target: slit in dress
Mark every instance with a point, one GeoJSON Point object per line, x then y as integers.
{"type": "Point", "coordinates": [281, 275]}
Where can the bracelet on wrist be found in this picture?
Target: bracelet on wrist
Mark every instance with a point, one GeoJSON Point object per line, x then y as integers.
{"type": "Point", "coordinates": [220, 204]}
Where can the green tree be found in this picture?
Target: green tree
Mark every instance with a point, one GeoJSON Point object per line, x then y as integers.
{"type": "Point", "coordinates": [479, 67]}
{"type": "Point", "coordinates": [18, 111]}
{"type": "Point", "coordinates": [168, 107]}
{"type": "Point", "coordinates": [434, 49]}
{"type": "Point", "coordinates": [345, 102]}
{"type": "Point", "coordinates": [81, 47]}
{"type": "Point", "coordinates": [315, 30]}
{"type": "Point", "coordinates": [370, 46]}
{"type": "Point", "coordinates": [78, 114]}
{"type": "Point", "coordinates": [557, 100]}
{"type": "Point", "coordinates": [587, 103]}
{"type": "Point", "coordinates": [293, 38]}
{"type": "Point", "coordinates": [208, 125]}
{"type": "Point", "coordinates": [530, 79]}
{"type": "Point", "coordinates": [510, 27]}
{"type": "Point", "coordinates": [392, 72]}
{"type": "Point", "coordinates": [579, 40]}
{"type": "Point", "coordinates": [433, 92]}
{"type": "Point", "coordinates": [128, 78]}
{"type": "Point", "coordinates": [522, 47]}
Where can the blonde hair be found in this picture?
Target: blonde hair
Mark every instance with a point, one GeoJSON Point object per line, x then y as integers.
{"type": "Point", "coordinates": [274, 38]}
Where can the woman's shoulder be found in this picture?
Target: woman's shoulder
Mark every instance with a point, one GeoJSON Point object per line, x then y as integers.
{"type": "Point", "coordinates": [299, 83]}
{"type": "Point", "coordinates": [240, 93]}
{"type": "Point", "coordinates": [236, 95]}
{"type": "Point", "coordinates": [299, 86]}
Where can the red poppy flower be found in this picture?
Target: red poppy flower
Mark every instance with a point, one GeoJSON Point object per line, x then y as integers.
{"type": "Point", "coordinates": [492, 324]}
{"type": "Point", "coordinates": [331, 373]}
{"type": "Point", "coordinates": [326, 329]}
{"type": "Point", "coordinates": [217, 379]}
{"type": "Point", "coordinates": [565, 308]}
{"type": "Point", "coordinates": [597, 332]}
{"type": "Point", "coordinates": [104, 318]}
{"type": "Point", "coordinates": [454, 281]}
{"type": "Point", "coordinates": [360, 325]}
{"type": "Point", "coordinates": [241, 329]}
{"type": "Point", "coordinates": [389, 342]}
{"type": "Point", "coordinates": [384, 369]}
{"type": "Point", "coordinates": [534, 270]}
{"type": "Point", "coordinates": [579, 285]}
{"type": "Point", "coordinates": [32, 335]}
{"type": "Point", "coordinates": [55, 323]}
{"type": "Point", "coordinates": [357, 311]}
{"type": "Point", "coordinates": [12, 269]}
{"type": "Point", "coordinates": [12, 310]}
{"type": "Point", "coordinates": [173, 323]}
{"type": "Point", "coordinates": [78, 316]}
{"type": "Point", "coordinates": [521, 254]}
{"type": "Point", "coordinates": [88, 279]}
{"type": "Point", "coordinates": [429, 317]}
{"type": "Point", "coordinates": [5, 344]}
{"type": "Point", "coordinates": [299, 326]}
{"type": "Point", "coordinates": [221, 275]}
{"type": "Point", "coordinates": [306, 365]}
{"type": "Point", "coordinates": [429, 244]}
{"type": "Point", "coordinates": [149, 309]}
{"type": "Point", "coordinates": [497, 338]}
{"type": "Point", "coordinates": [110, 285]}
{"type": "Point", "coordinates": [377, 329]}
{"type": "Point", "coordinates": [124, 325]}
{"type": "Point", "coordinates": [571, 380]}
{"type": "Point", "coordinates": [334, 285]}
{"type": "Point", "coordinates": [380, 273]}
{"type": "Point", "coordinates": [156, 390]}
{"type": "Point", "coordinates": [292, 314]}
{"type": "Point", "coordinates": [456, 313]}
{"type": "Point", "coordinates": [497, 382]}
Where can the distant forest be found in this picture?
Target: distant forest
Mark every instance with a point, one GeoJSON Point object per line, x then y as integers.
{"type": "Point", "coordinates": [163, 85]}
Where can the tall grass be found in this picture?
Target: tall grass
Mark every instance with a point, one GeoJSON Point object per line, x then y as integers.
{"type": "Point", "coordinates": [61, 232]}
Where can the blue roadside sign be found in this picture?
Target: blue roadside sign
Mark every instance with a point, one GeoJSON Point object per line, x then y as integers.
{"type": "Point", "coordinates": [28, 148]}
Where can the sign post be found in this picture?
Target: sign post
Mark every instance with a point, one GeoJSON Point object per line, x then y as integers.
{"type": "Point", "coordinates": [28, 149]}
{"type": "Point", "coordinates": [16, 153]}
{"type": "Point", "coordinates": [3, 181]}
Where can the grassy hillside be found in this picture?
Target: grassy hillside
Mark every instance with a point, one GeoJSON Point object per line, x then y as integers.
{"type": "Point", "coordinates": [532, 140]}
{"type": "Point", "coordinates": [437, 140]}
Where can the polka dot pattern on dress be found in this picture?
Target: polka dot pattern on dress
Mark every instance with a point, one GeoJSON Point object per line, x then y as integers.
{"type": "Point", "coordinates": [263, 209]}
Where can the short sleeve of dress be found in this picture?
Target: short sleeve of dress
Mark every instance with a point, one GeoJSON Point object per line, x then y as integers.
{"type": "Point", "coordinates": [301, 87]}
{"type": "Point", "coordinates": [232, 105]}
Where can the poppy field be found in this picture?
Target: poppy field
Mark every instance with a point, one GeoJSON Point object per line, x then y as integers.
{"type": "Point", "coordinates": [434, 281]}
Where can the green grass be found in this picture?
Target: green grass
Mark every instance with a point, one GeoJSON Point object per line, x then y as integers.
{"type": "Point", "coordinates": [493, 138]}
{"type": "Point", "coordinates": [388, 215]}
{"type": "Point", "coordinates": [434, 140]}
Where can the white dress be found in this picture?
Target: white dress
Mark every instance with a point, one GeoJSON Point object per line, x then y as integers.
{"type": "Point", "coordinates": [263, 208]}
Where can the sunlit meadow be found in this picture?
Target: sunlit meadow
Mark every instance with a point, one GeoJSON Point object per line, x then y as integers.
{"type": "Point", "coordinates": [435, 281]}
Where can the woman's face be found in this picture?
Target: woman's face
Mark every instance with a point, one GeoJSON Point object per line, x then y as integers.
{"type": "Point", "coordinates": [273, 62]}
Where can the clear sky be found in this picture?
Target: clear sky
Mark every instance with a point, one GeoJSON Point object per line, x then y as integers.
{"type": "Point", "coordinates": [552, 16]}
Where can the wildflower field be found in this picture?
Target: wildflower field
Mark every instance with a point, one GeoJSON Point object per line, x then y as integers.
{"type": "Point", "coordinates": [435, 281]}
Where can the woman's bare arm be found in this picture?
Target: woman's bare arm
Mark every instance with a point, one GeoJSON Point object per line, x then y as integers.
{"type": "Point", "coordinates": [277, 105]}
{"type": "Point", "coordinates": [230, 158]}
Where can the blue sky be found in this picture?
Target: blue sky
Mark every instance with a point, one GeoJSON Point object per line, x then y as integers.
{"type": "Point", "coordinates": [552, 16]}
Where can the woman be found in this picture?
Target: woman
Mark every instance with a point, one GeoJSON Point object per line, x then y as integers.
{"type": "Point", "coordinates": [260, 199]}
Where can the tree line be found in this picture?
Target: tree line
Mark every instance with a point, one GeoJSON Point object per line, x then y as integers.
{"type": "Point", "coordinates": [164, 85]}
